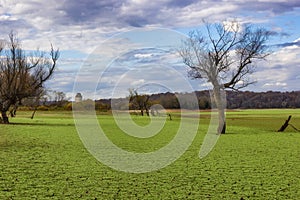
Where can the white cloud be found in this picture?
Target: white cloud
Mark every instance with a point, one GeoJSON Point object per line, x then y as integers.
{"type": "Point", "coordinates": [145, 55]}
{"type": "Point", "coordinates": [275, 84]}
{"type": "Point", "coordinates": [77, 24]}
{"type": "Point", "coordinates": [279, 71]}
{"type": "Point", "coordinates": [232, 25]}
{"type": "Point", "coordinates": [84, 24]}
{"type": "Point", "coordinates": [137, 83]}
{"type": "Point", "coordinates": [7, 17]}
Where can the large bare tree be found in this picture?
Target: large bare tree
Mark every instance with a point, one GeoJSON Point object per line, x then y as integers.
{"type": "Point", "coordinates": [22, 74]}
{"type": "Point", "coordinates": [224, 57]}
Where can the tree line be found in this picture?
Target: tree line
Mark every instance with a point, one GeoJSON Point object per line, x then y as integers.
{"type": "Point", "coordinates": [54, 100]}
{"type": "Point", "coordinates": [235, 100]}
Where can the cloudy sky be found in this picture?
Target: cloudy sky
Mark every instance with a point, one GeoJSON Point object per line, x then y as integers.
{"type": "Point", "coordinates": [108, 46]}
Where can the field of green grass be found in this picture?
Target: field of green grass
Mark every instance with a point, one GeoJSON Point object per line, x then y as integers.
{"type": "Point", "coordinates": [44, 158]}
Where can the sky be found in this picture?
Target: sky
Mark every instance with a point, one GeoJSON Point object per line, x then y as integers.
{"type": "Point", "coordinates": [109, 46]}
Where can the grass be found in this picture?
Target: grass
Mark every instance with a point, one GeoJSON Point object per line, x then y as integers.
{"type": "Point", "coordinates": [44, 158]}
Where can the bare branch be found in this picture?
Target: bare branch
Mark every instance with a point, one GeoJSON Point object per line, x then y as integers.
{"type": "Point", "coordinates": [22, 75]}
{"type": "Point", "coordinates": [224, 58]}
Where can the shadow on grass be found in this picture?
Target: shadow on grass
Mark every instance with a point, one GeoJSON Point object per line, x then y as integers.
{"type": "Point", "coordinates": [230, 133]}
{"type": "Point", "coordinates": [38, 124]}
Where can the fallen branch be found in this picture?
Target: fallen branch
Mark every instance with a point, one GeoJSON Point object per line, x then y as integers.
{"type": "Point", "coordinates": [294, 127]}
{"type": "Point", "coordinates": [286, 123]}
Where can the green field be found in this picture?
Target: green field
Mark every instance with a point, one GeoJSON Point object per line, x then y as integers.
{"type": "Point", "coordinates": [44, 158]}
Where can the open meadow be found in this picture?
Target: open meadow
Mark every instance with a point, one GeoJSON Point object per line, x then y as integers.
{"type": "Point", "coordinates": [44, 158]}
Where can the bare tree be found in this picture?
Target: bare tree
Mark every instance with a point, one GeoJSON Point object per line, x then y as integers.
{"type": "Point", "coordinates": [224, 57]}
{"type": "Point", "coordinates": [60, 98]}
{"type": "Point", "coordinates": [22, 74]}
{"type": "Point", "coordinates": [139, 101]}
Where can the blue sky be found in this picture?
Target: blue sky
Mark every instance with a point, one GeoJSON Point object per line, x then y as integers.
{"type": "Point", "coordinates": [115, 45]}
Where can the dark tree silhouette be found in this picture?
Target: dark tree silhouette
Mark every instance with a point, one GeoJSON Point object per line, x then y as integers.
{"type": "Point", "coordinates": [224, 57]}
{"type": "Point", "coordinates": [22, 74]}
{"type": "Point", "coordinates": [139, 101]}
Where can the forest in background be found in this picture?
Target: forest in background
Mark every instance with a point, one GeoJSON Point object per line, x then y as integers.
{"type": "Point", "coordinates": [235, 100]}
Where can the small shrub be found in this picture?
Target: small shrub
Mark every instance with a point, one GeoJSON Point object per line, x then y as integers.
{"type": "Point", "coordinates": [43, 108]}
{"type": "Point", "coordinates": [68, 106]}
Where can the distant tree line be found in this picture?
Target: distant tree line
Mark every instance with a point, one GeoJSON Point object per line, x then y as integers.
{"type": "Point", "coordinates": [53, 100]}
{"type": "Point", "coordinates": [235, 100]}
{"type": "Point", "coordinates": [268, 99]}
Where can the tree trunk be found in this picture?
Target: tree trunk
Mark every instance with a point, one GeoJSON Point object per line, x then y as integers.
{"type": "Point", "coordinates": [222, 121]}
{"type": "Point", "coordinates": [33, 113]}
{"type": "Point", "coordinates": [4, 117]}
{"type": "Point", "coordinates": [220, 100]}
{"type": "Point", "coordinates": [13, 111]}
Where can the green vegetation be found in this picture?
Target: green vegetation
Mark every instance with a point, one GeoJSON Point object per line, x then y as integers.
{"type": "Point", "coordinates": [44, 158]}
